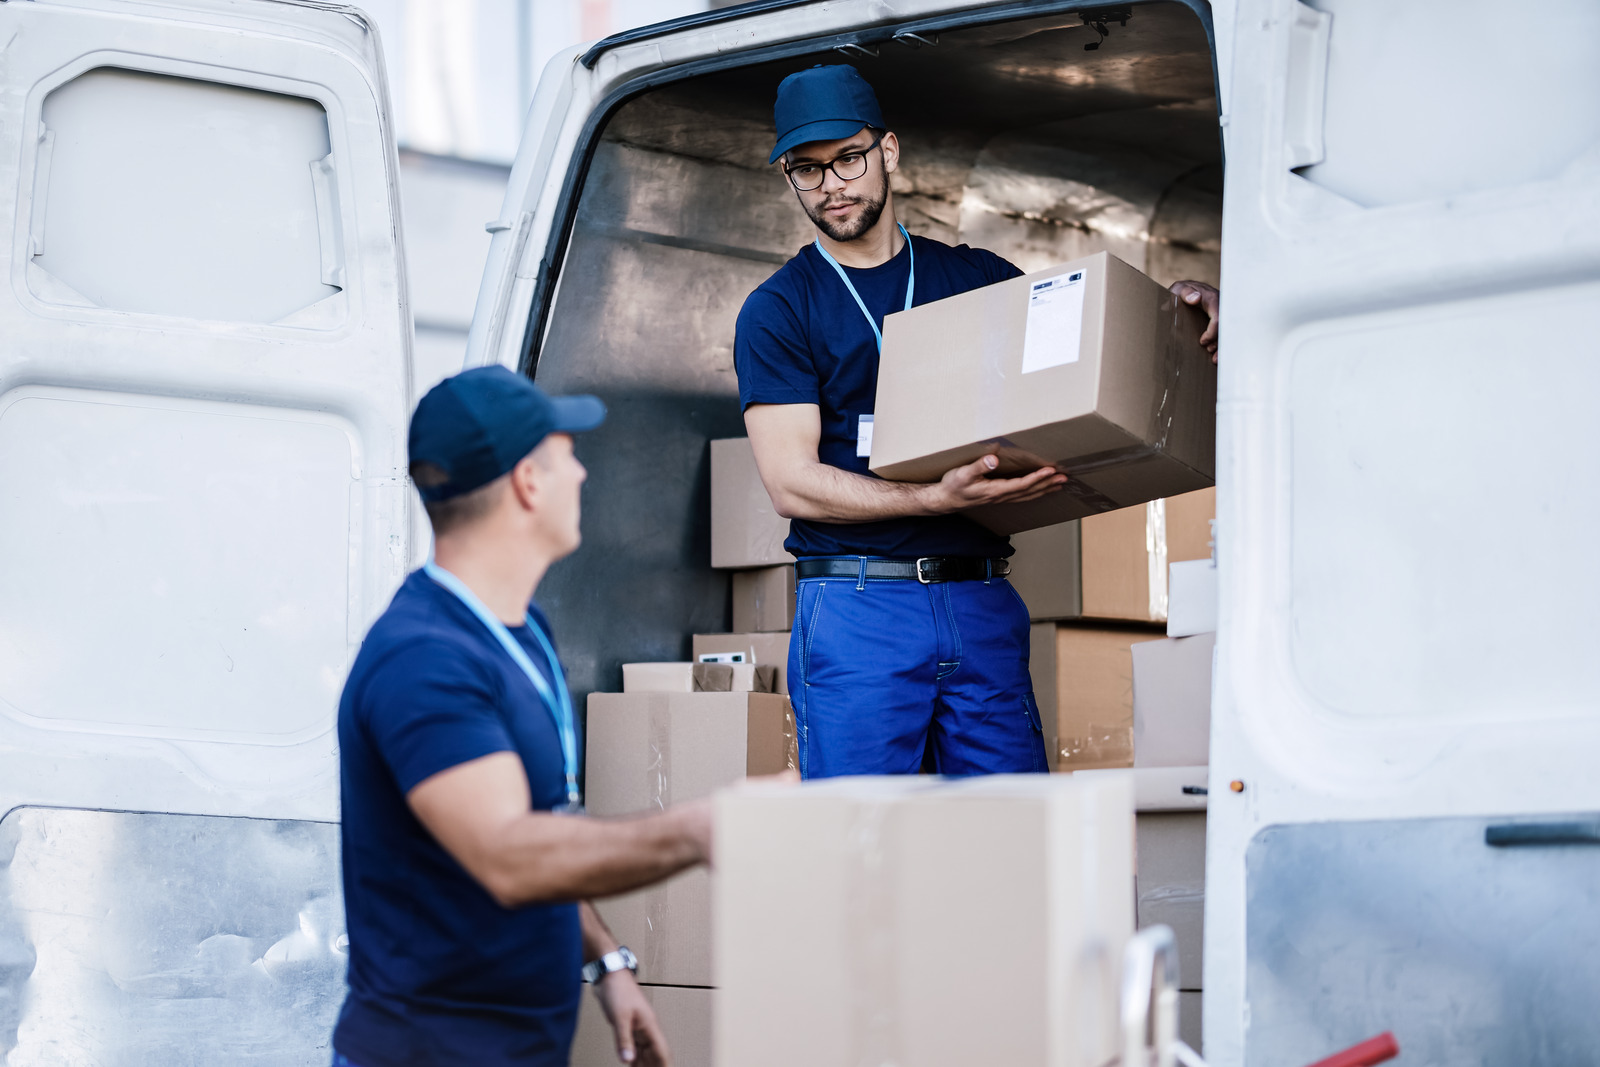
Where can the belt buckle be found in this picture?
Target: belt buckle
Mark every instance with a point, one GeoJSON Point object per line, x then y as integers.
{"type": "Point", "coordinates": [920, 562]}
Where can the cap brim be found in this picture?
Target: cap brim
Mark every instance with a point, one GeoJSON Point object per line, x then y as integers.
{"type": "Point", "coordinates": [575, 414]}
{"type": "Point", "coordinates": [821, 130]}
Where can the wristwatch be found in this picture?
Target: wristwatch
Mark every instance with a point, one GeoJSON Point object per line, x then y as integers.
{"type": "Point", "coordinates": [595, 970]}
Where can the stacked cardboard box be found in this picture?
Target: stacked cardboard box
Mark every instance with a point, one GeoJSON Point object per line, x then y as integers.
{"type": "Point", "coordinates": [1113, 566]}
{"type": "Point", "coordinates": [647, 750]}
{"type": "Point", "coordinates": [1098, 589]}
{"type": "Point", "coordinates": [747, 537]}
{"type": "Point", "coordinates": [922, 921]}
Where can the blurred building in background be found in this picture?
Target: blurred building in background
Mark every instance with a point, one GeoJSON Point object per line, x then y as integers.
{"type": "Point", "coordinates": [461, 76]}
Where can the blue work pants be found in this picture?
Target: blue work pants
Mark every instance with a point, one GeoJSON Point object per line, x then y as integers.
{"type": "Point", "coordinates": [881, 669]}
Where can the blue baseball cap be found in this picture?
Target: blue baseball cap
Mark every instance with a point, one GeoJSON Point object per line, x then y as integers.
{"type": "Point", "coordinates": [823, 104]}
{"type": "Point", "coordinates": [477, 425]}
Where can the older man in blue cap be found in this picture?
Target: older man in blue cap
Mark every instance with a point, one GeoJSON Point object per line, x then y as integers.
{"type": "Point", "coordinates": [467, 864]}
{"type": "Point", "coordinates": [908, 640]}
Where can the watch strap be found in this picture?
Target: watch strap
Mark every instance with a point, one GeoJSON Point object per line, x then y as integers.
{"type": "Point", "coordinates": [620, 960]}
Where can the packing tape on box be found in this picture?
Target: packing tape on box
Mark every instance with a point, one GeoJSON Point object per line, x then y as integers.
{"type": "Point", "coordinates": [1155, 547]}
{"type": "Point", "coordinates": [1158, 429]}
{"type": "Point", "coordinates": [659, 766]}
{"type": "Point", "coordinates": [791, 738]}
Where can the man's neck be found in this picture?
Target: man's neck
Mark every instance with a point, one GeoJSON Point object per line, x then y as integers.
{"type": "Point", "coordinates": [873, 248]}
{"type": "Point", "coordinates": [502, 576]}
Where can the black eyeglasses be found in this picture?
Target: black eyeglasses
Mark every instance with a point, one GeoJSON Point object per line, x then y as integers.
{"type": "Point", "coordinates": [808, 176]}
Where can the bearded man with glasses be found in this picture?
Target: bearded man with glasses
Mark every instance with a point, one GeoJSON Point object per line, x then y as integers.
{"type": "Point", "coordinates": [908, 640]}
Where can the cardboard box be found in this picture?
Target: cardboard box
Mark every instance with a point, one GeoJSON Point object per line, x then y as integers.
{"type": "Point", "coordinates": [689, 677]}
{"type": "Point", "coordinates": [1047, 571]}
{"type": "Point", "coordinates": [1092, 695]}
{"type": "Point", "coordinates": [648, 751]}
{"type": "Point", "coordinates": [745, 529]}
{"type": "Point", "coordinates": [684, 1015]}
{"type": "Point", "coordinates": [1112, 566]}
{"type": "Point", "coordinates": [1090, 367]}
{"type": "Point", "coordinates": [1171, 883]}
{"type": "Point", "coordinates": [1191, 598]}
{"type": "Point", "coordinates": [1126, 553]}
{"type": "Point", "coordinates": [761, 648]}
{"type": "Point", "coordinates": [1042, 669]}
{"type": "Point", "coordinates": [1172, 701]}
{"type": "Point", "coordinates": [922, 921]}
{"type": "Point", "coordinates": [764, 599]}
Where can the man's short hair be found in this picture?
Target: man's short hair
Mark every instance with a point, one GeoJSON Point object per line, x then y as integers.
{"type": "Point", "coordinates": [457, 511]}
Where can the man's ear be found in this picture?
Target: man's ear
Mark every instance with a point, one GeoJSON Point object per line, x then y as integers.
{"type": "Point", "coordinates": [526, 483]}
{"type": "Point", "coordinates": [891, 152]}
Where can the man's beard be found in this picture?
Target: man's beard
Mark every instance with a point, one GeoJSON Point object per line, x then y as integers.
{"type": "Point", "coordinates": [848, 229]}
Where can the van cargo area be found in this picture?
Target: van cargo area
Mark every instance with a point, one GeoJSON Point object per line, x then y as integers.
{"type": "Point", "coordinates": [1015, 137]}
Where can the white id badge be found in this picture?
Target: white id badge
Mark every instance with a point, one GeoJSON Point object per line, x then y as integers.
{"type": "Point", "coordinates": [864, 437]}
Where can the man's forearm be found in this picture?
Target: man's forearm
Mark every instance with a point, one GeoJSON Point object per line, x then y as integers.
{"type": "Point", "coordinates": [547, 857]}
{"type": "Point", "coordinates": [827, 494]}
{"type": "Point", "coordinates": [597, 936]}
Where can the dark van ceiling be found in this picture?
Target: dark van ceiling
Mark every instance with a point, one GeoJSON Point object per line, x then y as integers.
{"type": "Point", "coordinates": [986, 80]}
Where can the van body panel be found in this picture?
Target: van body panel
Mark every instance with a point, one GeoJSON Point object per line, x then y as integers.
{"type": "Point", "coordinates": [204, 388]}
{"type": "Point", "coordinates": [1405, 492]}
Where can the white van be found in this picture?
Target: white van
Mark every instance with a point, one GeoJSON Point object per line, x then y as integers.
{"type": "Point", "coordinates": [205, 381]}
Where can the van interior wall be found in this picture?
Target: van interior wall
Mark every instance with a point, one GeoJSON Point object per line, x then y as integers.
{"type": "Point", "coordinates": [1014, 138]}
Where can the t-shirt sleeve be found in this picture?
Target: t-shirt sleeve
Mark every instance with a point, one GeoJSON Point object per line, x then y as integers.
{"type": "Point", "coordinates": [771, 355]}
{"type": "Point", "coordinates": [426, 714]}
{"type": "Point", "coordinates": [994, 268]}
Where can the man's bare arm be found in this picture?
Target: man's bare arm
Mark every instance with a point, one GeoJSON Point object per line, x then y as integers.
{"type": "Point", "coordinates": [638, 1035]}
{"type": "Point", "coordinates": [478, 811]}
{"type": "Point", "coordinates": [785, 439]}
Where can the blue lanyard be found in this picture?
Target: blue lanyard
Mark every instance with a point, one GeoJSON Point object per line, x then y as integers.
{"type": "Point", "coordinates": [911, 283]}
{"type": "Point", "coordinates": [558, 701]}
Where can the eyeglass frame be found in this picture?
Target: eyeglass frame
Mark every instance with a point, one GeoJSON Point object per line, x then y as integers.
{"type": "Point", "coordinates": [788, 171]}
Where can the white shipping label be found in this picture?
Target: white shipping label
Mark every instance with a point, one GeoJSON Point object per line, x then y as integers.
{"type": "Point", "coordinates": [864, 437]}
{"type": "Point", "coordinates": [1055, 322]}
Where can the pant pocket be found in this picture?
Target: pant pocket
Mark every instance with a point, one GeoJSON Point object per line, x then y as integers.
{"type": "Point", "coordinates": [1034, 719]}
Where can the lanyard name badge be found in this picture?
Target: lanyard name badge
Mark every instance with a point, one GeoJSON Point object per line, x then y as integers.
{"type": "Point", "coordinates": [864, 422]}
{"type": "Point", "coordinates": [911, 282]}
{"type": "Point", "coordinates": [558, 700]}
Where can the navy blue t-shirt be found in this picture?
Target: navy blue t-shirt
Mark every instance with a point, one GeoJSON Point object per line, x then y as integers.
{"type": "Point", "coordinates": [440, 973]}
{"type": "Point", "coordinates": [801, 339]}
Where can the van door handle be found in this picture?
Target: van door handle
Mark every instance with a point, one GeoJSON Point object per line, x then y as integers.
{"type": "Point", "coordinates": [1534, 834]}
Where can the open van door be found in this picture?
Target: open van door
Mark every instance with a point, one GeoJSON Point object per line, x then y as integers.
{"type": "Point", "coordinates": [204, 387]}
{"type": "Point", "coordinates": [1407, 685]}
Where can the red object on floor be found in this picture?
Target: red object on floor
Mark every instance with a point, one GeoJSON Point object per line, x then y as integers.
{"type": "Point", "coordinates": [1372, 1050]}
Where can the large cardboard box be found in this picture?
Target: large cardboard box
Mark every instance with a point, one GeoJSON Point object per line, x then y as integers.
{"type": "Point", "coordinates": [922, 921]}
{"type": "Point", "coordinates": [1172, 884]}
{"type": "Point", "coordinates": [745, 529]}
{"type": "Point", "coordinates": [1115, 565]}
{"type": "Point", "coordinates": [1047, 571]}
{"type": "Point", "coordinates": [684, 1015]}
{"type": "Point", "coordinates": [1092, 695]}
{"type": "Point", "coordinates": [1172, 701]}
{"type": "Point", "coordinates": [764, 599]}
{"type": "Point", "coordinates": [1090, 367]}
{"type": "Point", "coordinates": [762, 649]}
{"type": "Point", "coordinates": [648, 751]}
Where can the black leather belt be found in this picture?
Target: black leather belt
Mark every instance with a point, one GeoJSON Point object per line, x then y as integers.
{"type": "Point", "coordinates": [926, 570]}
